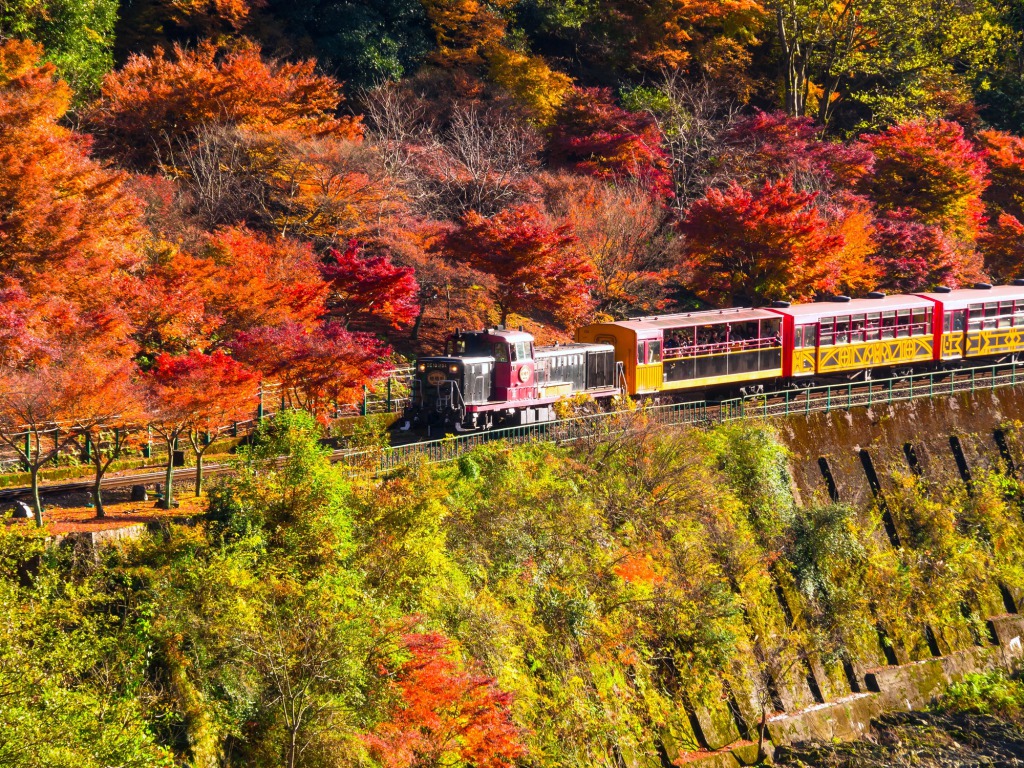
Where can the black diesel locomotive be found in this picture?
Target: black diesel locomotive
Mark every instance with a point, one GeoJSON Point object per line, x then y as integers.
{"type": "Point", "coordinates": [497, 377]}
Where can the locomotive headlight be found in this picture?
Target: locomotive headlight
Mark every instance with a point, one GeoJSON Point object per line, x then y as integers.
{"type": "Point", "coordinates": [453, 368]}
{"type": "Point", "coordinates": [422, 367]}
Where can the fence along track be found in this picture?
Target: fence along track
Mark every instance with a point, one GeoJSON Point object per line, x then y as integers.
{"type": "Point", "coordinates": [820, 399]}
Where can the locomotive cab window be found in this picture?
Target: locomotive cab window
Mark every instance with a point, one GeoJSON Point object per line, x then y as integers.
{"type": "Point", "coordinates": [521, 350]}
{"type": "Point", "coordinates": [501, 353]}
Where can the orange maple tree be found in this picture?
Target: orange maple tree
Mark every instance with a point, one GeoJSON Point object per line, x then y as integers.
{"type": "Point", "coordinates": [445, 715]}
{"type": "Point", "coordinates": [47, 404]}
{"type": "Point", "coordinates": [237, 281]}
{"type": "Point", "coordinates": [69, 232]}
{"type": "Point", "coordinates": [157, 103]}
{"type": "Point", "coordinates": [194, 394]}
{"type": "Point", "coordinates": [758, 246]}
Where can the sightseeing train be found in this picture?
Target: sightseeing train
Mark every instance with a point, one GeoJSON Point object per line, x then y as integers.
{"type": "Point", "coordinates": [497, 377]}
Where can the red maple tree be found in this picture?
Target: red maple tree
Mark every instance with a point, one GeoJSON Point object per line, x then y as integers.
{"type": "Point", "coordinates": [1003, 247]}
{"type": "Point", "coordinates": [536, 266]}
{"type": "Point", "coordinates": [593, 135]}
{"type": "Point", "coordinates": [914, 256]}
{"type": "Point", "coordinates": [445, 714]}
{"type": "Point", "coordinates": [316, 367]}
{"type": "Point", "coordinates": [774, 145]}
{"type": "Point", "coordinates": [369, 291]}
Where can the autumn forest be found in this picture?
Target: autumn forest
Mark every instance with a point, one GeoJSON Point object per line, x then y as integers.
{"type": "Point", "coordinates": [201, 196]}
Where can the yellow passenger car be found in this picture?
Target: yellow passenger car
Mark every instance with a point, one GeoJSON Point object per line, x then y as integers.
{"type": "Point", "coordinates": [694, 350]}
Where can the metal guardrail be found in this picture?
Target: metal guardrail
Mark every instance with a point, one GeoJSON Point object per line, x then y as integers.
{"type": "Point", "coordinates": [831, 397]}
{"type": "Point", "coordinates": [818, 399]}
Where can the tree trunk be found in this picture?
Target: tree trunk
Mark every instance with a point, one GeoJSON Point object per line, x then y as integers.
{"type": "Point", "coordinates": [97, 496]}
{"type": "Point", "coordinates": [37, 503]}
{"type": "Point", "coordinates": [760, 734]}
{"type": "Point", "coordinates": [168, 491]}
{"type": "Point", "coordinates": [199, 474]}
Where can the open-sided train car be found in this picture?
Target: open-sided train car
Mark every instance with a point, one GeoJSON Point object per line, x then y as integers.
{"type": "Point", "coordinates": [694, 350]}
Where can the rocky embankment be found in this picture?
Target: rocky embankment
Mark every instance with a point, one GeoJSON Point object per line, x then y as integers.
{"type": "Point", "coordinates": [920, 740]}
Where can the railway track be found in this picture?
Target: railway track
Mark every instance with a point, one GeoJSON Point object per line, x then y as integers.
{"type": "Point", "coordinates": [800, 401]}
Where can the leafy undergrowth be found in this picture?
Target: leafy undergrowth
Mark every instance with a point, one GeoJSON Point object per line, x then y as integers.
{"type": "Point", "coordinates": [988, 693]}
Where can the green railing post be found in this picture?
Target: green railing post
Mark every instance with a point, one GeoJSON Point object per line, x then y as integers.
{"type": "Point", "coordinates": [849, 396]}
{"type": "Point", "coordinates": [362, 408]}
{"type": "Point", "coordinates": [28, 450]}
{"type": "Point", "coordinates": [389, 394]}
{"type": "Point", "coordinates": [828, 398]}
{"type": "Point", "coordinates": [87, 448]}
{"type": "Point", "coordinates": [259, 407]}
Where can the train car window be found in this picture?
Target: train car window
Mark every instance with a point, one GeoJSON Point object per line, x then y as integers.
{"type": "Point", "coordinates": [959, 320]}
{"type": "Point", "coordinates": [827, 332]}
{"type": "Point", "coordinates": [653, 352]}
{"type": "Point", "coordinates": [976, 313]}
{"type": "Point", "coordinates": [873, 326]}
{"type": "Point", "coordinates": [521, 351]}
{"type": "Point", "coordinates": [842, 330]}
{"type": "Point", "coordinates": [640, 353]}
{"type": "Point", "coordinates": [920, 320]}
{"type": "Point", "coordinates": [889, 325]}
{"type": "Point", "coordinates": [857, 329]}
{"type": "Point", "coordinates": [501, 353]}
{"type": "Point", "coordinates": [991, 315]}
{"type": "Point", "coordinates": [1005, 314]}
{"type": "Point", "coordinates": [902, 323]}
{"type": "Point", "coordinates": [947, 321]}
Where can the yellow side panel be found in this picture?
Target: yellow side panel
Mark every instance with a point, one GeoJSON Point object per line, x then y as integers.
{"type": "Point", "coordinates": [556, 390]}
{"type": "Point", "coordinates": [803, 361]}
{"type": "Point", "coordinates": [714, 381]}
{"type": "Point", "coordinates": [994, 342]}
{"type": "Point", "coordinates": [952, 345]}
{"type": "Point", "coordinates": [848, 357]}
{"type": "Point", "coordinates": [648, 378]}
